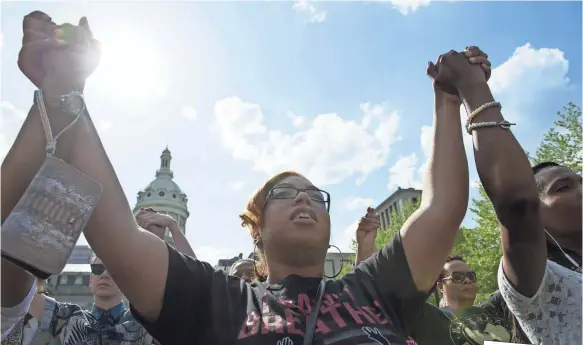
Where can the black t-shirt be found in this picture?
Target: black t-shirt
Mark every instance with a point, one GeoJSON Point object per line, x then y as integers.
{"type": "Point", "coordinates": [377, 303]}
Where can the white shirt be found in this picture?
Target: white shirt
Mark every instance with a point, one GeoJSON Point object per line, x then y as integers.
{"type": "Point", "coordinates": [10, 316]}
{"type": "Point", "coordinates": [553, 315]}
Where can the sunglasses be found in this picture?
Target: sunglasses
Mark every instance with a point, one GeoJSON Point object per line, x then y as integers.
{"type": "Point", "coordinates": [97, 269]}
{"type": "Point", "coordinates": [460, 277]}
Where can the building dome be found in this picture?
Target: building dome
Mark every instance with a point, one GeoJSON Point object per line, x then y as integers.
{"type": "Point", "coordinates": [163, 194]}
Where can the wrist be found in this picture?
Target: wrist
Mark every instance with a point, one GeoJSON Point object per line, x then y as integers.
{"type": "Point", "coordinates": [475, 95]}
{"type": "Point", "coordinates": [54, 86]}
{"type": "Point", "coordinates": [173, 228]}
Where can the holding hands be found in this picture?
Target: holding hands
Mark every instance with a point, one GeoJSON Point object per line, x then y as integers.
{"type": "Point", "coordinates": [155, 222]}
{"type": "Point", "coordinates": [456, 71]}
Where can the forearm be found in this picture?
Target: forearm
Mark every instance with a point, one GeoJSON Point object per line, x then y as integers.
{"type": "Point", "coordinates": [180, 241]}
{"type": "Point", "coordinates": [446, 181]}
{"type": "Point", "coordinates": [508, 180]}
{"type": "Point", "coordinates": [364, 252]}
{"type": "Point", "coordinates": [113, 232]}
{"type": "Point", "coordinates": [429, 234]}
{"type": "Point", "coordinates": [21, 164]}
{"type": "Point", "coordinates": [500, 160]}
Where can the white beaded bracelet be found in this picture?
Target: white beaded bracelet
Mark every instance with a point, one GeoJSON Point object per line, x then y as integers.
{"type": "Point", "coordinates": [502, 124]}
{"type": "Point", "coordinates": [483, 107]}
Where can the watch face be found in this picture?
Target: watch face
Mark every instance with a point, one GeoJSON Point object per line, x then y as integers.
{"type": "Point", "coordinates": [73, 104]}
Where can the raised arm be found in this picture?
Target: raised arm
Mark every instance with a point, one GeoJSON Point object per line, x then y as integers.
{"type": "Point", "coordinates": [508, 180]}
{"type": "Point", "coordinates": [112, 230]}
{"type": "Point", "coordinates": [366, 234]}
{"type": "Point", "coordinates": [429, 234]}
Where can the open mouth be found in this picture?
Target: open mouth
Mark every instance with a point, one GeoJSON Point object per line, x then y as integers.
{"type": "Point", "coordinates": [304, 215]}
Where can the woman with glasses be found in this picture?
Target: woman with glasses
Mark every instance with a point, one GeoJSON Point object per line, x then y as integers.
{"type": "Point", "coordinates": [457, 286]}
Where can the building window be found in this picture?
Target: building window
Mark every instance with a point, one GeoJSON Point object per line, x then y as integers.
{"type": "Point", "coordinates": [174, 196]}
{"type": "Point", "coordinates": [86, 280]}
{"type": "Point", "coordinates": [161, 194]}
{"type": "Point", "coordinates": [149, 194]}
{"type": "Point", "coordinates": [79, 279]}
{"type": "Point", "coordinates": [70, 279]}
{"type": "Point", "coordinates": [329, 268]}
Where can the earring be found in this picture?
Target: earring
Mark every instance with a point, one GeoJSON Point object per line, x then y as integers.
{"type": "Point", "coordinates": [341, 260]}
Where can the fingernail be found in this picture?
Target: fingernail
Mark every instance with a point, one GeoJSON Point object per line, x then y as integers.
{"type": "Point", "coordinates": [468, 53]}
{"type": "Point", "coordinates": [472, 59]}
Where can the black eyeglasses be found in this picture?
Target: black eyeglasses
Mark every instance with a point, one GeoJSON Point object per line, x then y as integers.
{"type": "Point", "coordinates": [288, 192]}
{"type": "Point", "coordinates": [97, 269]}
{"type": "Point", "coordinates": [460, 277]}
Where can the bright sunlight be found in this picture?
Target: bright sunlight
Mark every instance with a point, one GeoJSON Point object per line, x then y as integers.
{"type": "Point", "coordinates": [130, 69]}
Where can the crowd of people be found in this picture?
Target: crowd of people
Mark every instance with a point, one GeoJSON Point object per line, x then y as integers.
{"type": "Point", "coordinates": [282, 297]}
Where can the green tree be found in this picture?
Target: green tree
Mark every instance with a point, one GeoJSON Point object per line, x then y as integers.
{"type": "Point", "coordinates": [480, 246]}
{"type": "Point", "coordinates": [563, 143]}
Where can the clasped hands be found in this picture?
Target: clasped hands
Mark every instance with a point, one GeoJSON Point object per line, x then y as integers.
{"type": "Point", "coordinates": [455, 72]}
{"type": "Point", "coordinates": [59, 56]}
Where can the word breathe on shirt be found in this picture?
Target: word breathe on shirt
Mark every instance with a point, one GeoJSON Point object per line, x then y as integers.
{"type": "Point", "coordinates": [331, 317]}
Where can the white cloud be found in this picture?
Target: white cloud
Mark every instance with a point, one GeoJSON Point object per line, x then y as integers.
{"type": "Point", "coordinates": [345, 238]}
{"type": "Point", "coordinates": [408, 6]}
{"type": "Point", "coordinates": [532, 70]}
{"type": "Point", "coordinates": [315, 15]}
{"type": "Point", "coordinates": [189, 113]}
{"type": "Point", "coordinates": [403, 173]}
{"type": "Point", "coordinates": [238, 185]}
{"type": "Point", "coordinates": [330, 150]}
{"type": "Point", "coordinates": [297, 120]}
{"type": "Point", "coordinates": [521, 81]}
{"type": "Point", "coordinates": [358, 203]}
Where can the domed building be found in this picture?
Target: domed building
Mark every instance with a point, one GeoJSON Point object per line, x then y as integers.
{"type": "Point", "coordinates": [164, 195]}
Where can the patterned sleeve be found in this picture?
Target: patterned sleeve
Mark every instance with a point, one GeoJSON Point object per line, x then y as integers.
{"type": "Point", "coordinates": [548, 316]}
{"type": "Point", "coordinates": [13, 317]}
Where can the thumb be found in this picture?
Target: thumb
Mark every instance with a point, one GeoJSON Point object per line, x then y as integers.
{"type": "Point", "coordinates": [84, 23]}
{"type": "Point", "coordinates": [431, 70]}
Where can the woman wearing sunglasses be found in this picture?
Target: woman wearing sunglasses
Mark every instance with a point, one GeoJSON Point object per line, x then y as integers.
{"type": "Point", "coordinates": [457, 286]}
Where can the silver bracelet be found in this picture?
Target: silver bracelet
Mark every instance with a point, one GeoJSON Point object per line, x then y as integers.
{"type": "Point", "coordinates": [470, 127]}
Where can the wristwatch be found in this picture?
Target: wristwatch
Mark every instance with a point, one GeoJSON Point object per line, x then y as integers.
{"type": "Point", "coordinates": [71, 103]}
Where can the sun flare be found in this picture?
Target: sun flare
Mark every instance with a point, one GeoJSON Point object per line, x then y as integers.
{"type": "Point", "coordinates": [130, 68]}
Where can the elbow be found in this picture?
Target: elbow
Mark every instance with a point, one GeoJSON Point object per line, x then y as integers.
{"type": "Point", "coordinates": [515, 208]}
{"type": "Point", "coordinates": [450, 208]}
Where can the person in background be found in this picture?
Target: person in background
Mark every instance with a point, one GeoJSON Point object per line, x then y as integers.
{"type": "Point", "coordinates": [457, 286]}
{"type": "Point", "coordinates": [243, 269]}
{"type": "Point", "coordinates": [544, 296]}
{"type": "Point", "coordinates": [109, 322]}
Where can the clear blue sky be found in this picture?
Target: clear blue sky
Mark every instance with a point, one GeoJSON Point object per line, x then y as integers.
{"type": "Point", "coordinates": [337, 91]}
